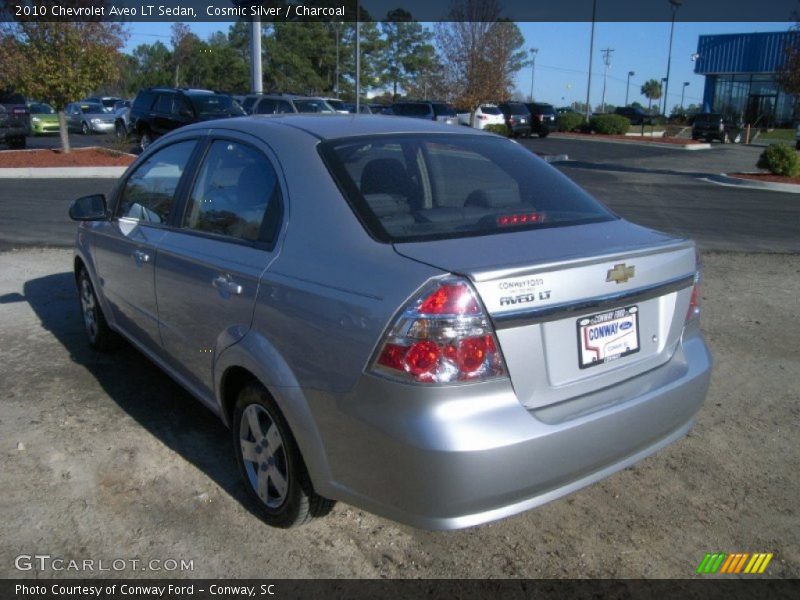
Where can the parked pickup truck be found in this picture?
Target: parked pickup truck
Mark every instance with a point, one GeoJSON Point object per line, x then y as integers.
{"type": "Point", "coordinates": [15, 120]}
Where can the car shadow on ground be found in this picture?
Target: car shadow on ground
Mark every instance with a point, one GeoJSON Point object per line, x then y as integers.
{"type": "Point", "coordinates": [140, 388]}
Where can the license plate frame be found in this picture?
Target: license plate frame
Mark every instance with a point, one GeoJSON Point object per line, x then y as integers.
{"type": "Point", "coordinates": [604, 337]}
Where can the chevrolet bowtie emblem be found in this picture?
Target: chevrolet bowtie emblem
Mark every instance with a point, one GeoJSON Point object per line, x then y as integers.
{"type": "Point", "coordinates": [620, 273]}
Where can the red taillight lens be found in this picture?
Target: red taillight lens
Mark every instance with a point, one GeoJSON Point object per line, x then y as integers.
{"type": "Point", "coordinates": [18, 110]}
{"type": "Point", "coordinates": [694, 302]}
{"type": "Point", "coordinates": [442, 336]}
{"type": "Point", "coordinates": [455, 299]}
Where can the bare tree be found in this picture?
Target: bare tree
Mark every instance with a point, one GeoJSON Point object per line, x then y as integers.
{"type": "Point", "coordinates": [481, 52]}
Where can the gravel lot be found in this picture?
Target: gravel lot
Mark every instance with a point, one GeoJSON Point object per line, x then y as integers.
{"type": "Point", "coordinates": [104, 457]}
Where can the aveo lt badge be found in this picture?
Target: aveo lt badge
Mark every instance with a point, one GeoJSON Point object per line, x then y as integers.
{"type": "Point", "coordinates": [620, 273]}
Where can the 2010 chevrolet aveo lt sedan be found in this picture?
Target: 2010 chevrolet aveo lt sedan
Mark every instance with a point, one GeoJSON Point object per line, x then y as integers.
{"type": "Point", "coordinates": [426, 322]}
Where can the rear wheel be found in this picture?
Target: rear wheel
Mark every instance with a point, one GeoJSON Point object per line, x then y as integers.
{"type": "Point", "coordinates": [120, 130]}
{"type": "Point", "coordinates": [17, 143]}
{"type": "Point", "coordinates": [544, 134]}
{"type": "Point", "coordinates": [99, 334]}
{"type": "Point", "coordinates": [270, 462]}
{"type": "Point", "coordinates": [725, 139]}
{"type": "Point", "coordinates": [145, 139]}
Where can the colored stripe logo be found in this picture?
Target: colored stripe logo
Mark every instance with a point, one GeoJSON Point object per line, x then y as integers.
{"type": "Point", "coordinates": [731, 564]}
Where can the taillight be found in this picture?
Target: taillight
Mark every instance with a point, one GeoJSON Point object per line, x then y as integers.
{"type": "Point", "coordinates": [18, 110]}
{"type": "Point", "coordinates": [482, 117]}
{"type": "Point", "coordinates": [694, 301]}
{"type": "Point", "coordinates": [442, 335]}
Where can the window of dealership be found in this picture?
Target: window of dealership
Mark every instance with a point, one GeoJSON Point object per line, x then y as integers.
{"type": "Point", "coordinates": [741, 77]}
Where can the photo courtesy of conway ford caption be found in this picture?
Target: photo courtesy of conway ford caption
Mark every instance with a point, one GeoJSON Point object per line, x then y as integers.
{"type": "Point", "coordinates": [426, 322]}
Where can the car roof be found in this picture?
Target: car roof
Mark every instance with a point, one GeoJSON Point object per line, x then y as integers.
{"type": "Point", "coordinates": [326, 127]}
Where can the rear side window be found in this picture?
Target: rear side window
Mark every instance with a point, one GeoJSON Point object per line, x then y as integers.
{"type": "Point", "coordinates": [164, 104]}
{"type": "Point", "coordinates": [149, 192]}
{"type": "Point", "coordinates": [144, 101]}
{"type": "Point", "coordinates": [233, 191]}
{"type": "Point", "coordinates": [426, 187]}
{"type": "Point", "coordinates": [265, 107]}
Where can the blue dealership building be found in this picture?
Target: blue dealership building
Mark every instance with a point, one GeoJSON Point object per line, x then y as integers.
{"type": "Point", "coordinates": [741, 77]}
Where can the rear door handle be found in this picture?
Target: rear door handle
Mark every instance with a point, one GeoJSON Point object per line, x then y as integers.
{"type": "Point", "coordinates": [224, 284]}
{"type": "Point", "coordinates": [141, 257]}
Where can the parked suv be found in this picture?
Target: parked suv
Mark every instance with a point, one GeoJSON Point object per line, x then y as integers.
{"type": "Point", "coordinates": [157, 111]}
{"type": "Point", "coordinates": [432, 111]}
{"type": "Point", "coordinates": [543, 118]}
{"type": "Point", "coordinates": [517, 117]}
{"type": "Point", "coordinates": [635, 115]}
{"type": "Point", "coordinates": [15, 120]}
{"type": "Point", "coordinates": [715, 126]}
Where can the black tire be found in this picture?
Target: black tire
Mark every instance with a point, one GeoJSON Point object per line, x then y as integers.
{"type": "Point", "coordinates": [17, 143]}
{"type": "Point", "coordinates": [120, 130]}
{"type": "Point", "coordinates": [282, 466]}
{"type": "Point", "coordinates": [145, 138]}
{"type": "Point", "coordinates": [99, 334]}
{"type": "Point", "coordinates": [85, 129]}
{"type": "Point", "coordinates": [544, 134]}
{"type": "Point", "coordinates": [725, 138]}
{"type": "Point", "coordinates": [797, 145]}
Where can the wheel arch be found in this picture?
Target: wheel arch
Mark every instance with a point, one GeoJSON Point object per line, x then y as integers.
{"type": "Point", "coordinates": [255, 359]}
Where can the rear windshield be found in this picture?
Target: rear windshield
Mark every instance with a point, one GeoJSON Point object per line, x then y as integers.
{"type": "Point", "coordinates": [42, 109]}
{"type": "Point", "coordinates": [425, 187]}
{"type": "Point", "coordinates": [314, 105]}
{"type": "Point", "coordinates": [215, 104]}
{"type": "Point", "coordinates": [444, 110]}
{"type": "Point", "coordinates": [517, 109]}
{"type": "Point", "coordinates": [490, 110]}
{"type": "Point", "coordinates": [411, 110]}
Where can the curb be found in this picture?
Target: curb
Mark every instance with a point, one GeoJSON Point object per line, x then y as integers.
{"type": "Point", "coordinates": [61, 172]}
{"type": "Point", "coordinates": [689, 147]}
{"type": "Point", "coordinates": [551, 158]}
{"type": "Point", "coordinates": [727, 180]}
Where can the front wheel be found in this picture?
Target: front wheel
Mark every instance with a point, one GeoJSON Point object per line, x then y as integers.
{"type": "Point", "coordinates": [270, 462]}
{"type": "Point", "coordinates": [544, 134]}
{"type": "Point", "coordinates": [121, 130]}
{"type": "Point", "coordinates": [99, 334]}
{"type": "Point", "coordinates": [85, 129]}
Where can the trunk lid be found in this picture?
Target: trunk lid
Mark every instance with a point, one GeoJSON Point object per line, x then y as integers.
{"type": "Point", "coordinates": [557, 295]}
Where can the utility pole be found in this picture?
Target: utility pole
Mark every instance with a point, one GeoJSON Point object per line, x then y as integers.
{"type": "Point", "coordinates": [674, 5]}
{"type": "Point", "coordinates": [358, 58]}
{"type": "Point", "coordinates": [607, 61]}
{"type": "Point", "coordinates": [534, 52]}
{"type": "Point", "coordinates": [591, 58]}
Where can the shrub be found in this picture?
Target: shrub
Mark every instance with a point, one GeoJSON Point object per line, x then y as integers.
{"type": "Point", "coordinates": [569, 121]}
{"type": "Point", "coordinates": [780, 159]}
{"type": "Point", "coordinates": [498, 129]}
{"type": "Point", "coordinates": [609, 124]}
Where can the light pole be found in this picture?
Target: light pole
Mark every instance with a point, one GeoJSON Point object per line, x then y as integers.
{"type": "Point", "coordinates": [534, 52]}
{"type": "Point", "coordinates": [674, 5]}
{"type": "Point", "coordinates": [683, 91]}
{"type": "Point", "coordinates": [663, 97]}
{"type": "Point", "coordinates": [628, 88]}
{"type": "Point", "coordinates": [358, 58]}
{"type": "Point", "coordinates": [591, 57]}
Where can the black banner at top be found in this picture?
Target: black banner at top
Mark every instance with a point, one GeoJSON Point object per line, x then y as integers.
{"type": "Point", "coordinates": [188, 11]}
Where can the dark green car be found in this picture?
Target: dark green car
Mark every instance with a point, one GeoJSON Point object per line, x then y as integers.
{"type": "Point", "coordinates": [715, 126]}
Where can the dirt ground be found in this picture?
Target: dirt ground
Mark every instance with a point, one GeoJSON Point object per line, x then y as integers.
{"type": "Point", "coordinates": [105, 458]}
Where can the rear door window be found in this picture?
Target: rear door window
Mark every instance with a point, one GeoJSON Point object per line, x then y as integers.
{"type": "Point", "coordinates": [233, 191]}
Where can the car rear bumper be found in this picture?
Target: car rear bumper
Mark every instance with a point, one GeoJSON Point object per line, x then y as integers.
{"type": "Point", "coordinates": [447, 458]}
{"type": "Point", "coordinates": [13, 132]}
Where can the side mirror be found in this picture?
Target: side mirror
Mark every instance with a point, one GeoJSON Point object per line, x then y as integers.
{"type": "Point", "coordinates": [89, 208]}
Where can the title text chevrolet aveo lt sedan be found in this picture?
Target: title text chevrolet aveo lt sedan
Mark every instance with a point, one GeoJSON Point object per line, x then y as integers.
{"type": "Point", "coordinates": [426, 322]}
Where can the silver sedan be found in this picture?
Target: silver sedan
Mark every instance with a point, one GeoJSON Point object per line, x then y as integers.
{"type": "Point", "coordinates": [426, 322]}
{"type": "Point", "coordinates": [89, 117]}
